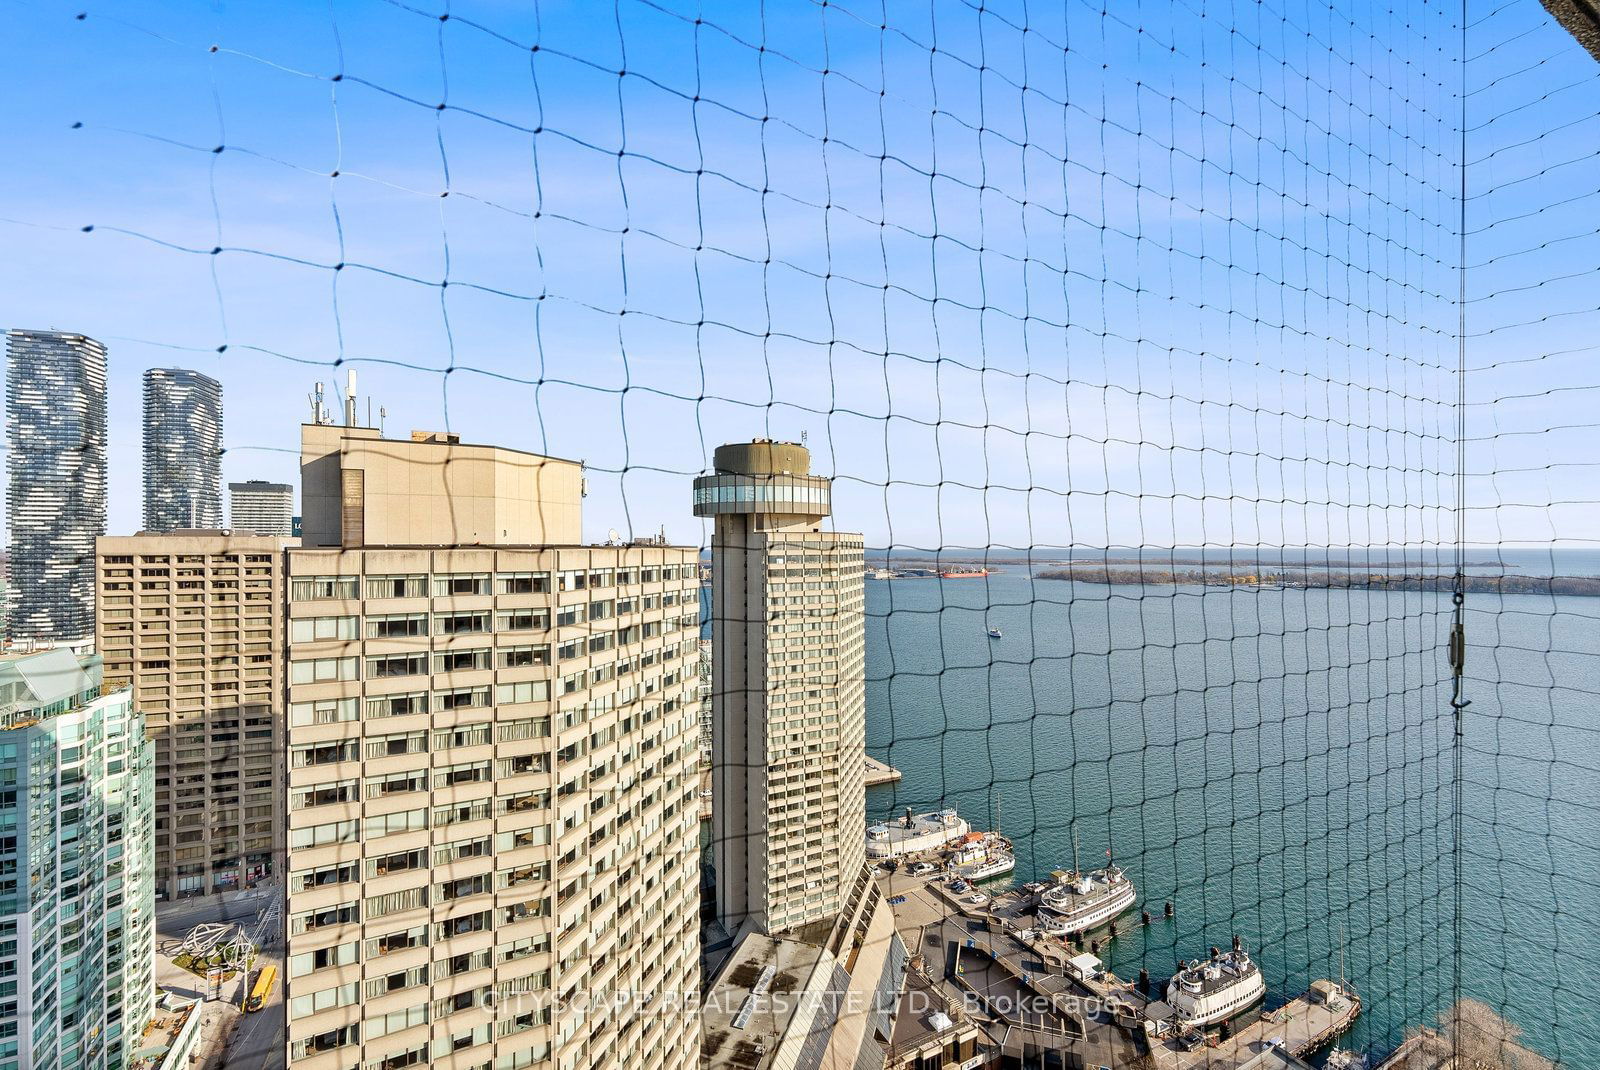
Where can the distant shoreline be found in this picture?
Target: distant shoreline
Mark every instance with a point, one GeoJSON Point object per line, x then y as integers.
{"type": "Point", "coordinates": [1581, 586]}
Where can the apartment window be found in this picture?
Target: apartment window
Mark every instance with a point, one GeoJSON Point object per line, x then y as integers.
{"type": "Point", "coordinates": [522, 728]}
{"type": "Point", "coordinates": [524, 948]}
{"type": "Point", "coordinates": [477, 847]}
{"type": "Point", "coordinates": [323, 835]}
{"type": "Point", "coordinates": [523, 582]}
{"type": "Point", "coordinates": [522, 764]}
{"type": "Point", "coordinates": [323, 711]}
{"type": "Point", "coordinates": [470, 923]}
{"type": "Point", "coordinates": [473, 810]}
{"type": "Point", "coordinates": [515, 878]}
{"type": "Point", "coordinates": [321, 959]}
{"type": "Point", "coordinates": [572, 580]}
{"type": "Point", "coordinates": [396, 823]}
{"type": "Point", "coordinates": [524, 801]}
{"type": "Point", "coordinates": [600, 610]}
{"type": "Point", "coordinates": [322, 670]}
{"type": "Point", "coordinates": [569, 650]}
{"type": "Point", "coordinates": [404, 586]}
{"type": "Point", "coordinates": [532, 908]}
{"type": "Point", "coordinates": [317, 588]}
{"type": "Point", "coordinates": [517, 657]}
{"type": "Point", "coordinates": [311, 754]}
{"type": "Point", "coordinates": [397, 784]}
{"type": "Point", "coordinates": [379, 906]}
{"type": "Point", "coordinates": [460, 623]}
{"type": "Point", "coordinates": [464, 888]}
{"type": "Point", "coordinates": [398, 705]}
{"type": "Point", "coordinates": [462, 660]}
{"type": "Point", "coordinates": [311, 629]}
{"type": "Point", "coordinates": [522, 691]}
{"type": "Point", "coordinates": [342, 791]}
{"type": "Point", "coordinates": [538, 836]}
{"type": "Point", "coordinates": [311, 920]}
{"type": "Point", "coordinates": [464, 735]}
{"type": "Point", "coordinates": [567, 616]}
{"type": "Point", "coordinates": [521, 620]}
{"type": "Point", "coordinates": [399, 862]}
{"type": "Point", "coordinates": [345, 873]}
{"type": "Point", "coordinates": [460, 584]}
{"type": "Point", "coordinates": [384, 1024]}
{"type": "Point", "coordinates": [329, 1041]}
{"type": "Point", "coordinates": [463, 773]}
{"type": "Point", "coordinates": [394, 982]}
{"type": "Point", "coordinates": [389, 665]}
{"type": "Point", "coordinates": [460, 699]}
{"type": "Point", "coordinates": [397, 625]}
{"type": "Point", "coordinates": [327, 999]}
{"type": "Point", "coordinates": [395, 743]}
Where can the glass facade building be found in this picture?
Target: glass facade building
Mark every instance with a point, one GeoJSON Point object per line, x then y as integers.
{"type": "Point", "coordinates": [77, 913]}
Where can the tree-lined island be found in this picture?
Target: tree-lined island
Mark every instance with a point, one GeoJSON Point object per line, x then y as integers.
{"type": "Point", "coordinates": [1582, 586]}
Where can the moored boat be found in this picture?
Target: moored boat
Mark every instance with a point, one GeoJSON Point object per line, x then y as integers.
{"type": "Point", "coordinates": [1077, 902]}
{"type": "Point", "coordinates": [1204, 993]}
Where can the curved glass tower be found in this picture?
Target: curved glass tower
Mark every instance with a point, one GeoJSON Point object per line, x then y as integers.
{"type": "Point", "coordinates": [56, 472]}
{"type": "Point", "coordinates": [182, 450]}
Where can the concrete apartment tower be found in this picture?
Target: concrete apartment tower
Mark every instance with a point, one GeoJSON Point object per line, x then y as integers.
{"type": "Point", "coordinates": [257, 507]}
{"type": "Point", "coordinates": [182, 450]}
{"type": "Point", "coordinates": [493, 821]}
{"type": "Point", "coordinates": [56, 482]}
{"type": "Point", "coordinates": [76, 905]}
{"type": "Point", "coordinates": [192, 622]}
{"type": "Point", "coordinates": [789, 712]}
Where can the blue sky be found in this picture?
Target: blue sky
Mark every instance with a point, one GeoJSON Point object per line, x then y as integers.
{"type": "Point", "coordinates": [1194, 276]}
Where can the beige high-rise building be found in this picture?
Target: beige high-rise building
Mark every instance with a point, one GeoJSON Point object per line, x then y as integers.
{"type": "Point", "coordinates": [192, 621]}
{"type": "Point", "coordinates": [789, 710]}
{"type": "Point", "coordinates": [493, 820]}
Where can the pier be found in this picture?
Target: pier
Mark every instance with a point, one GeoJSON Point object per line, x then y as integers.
{"type": "Point", "coordinates": [1299, 1027]}
{"type": "Point", "coordinates": [881, 773]}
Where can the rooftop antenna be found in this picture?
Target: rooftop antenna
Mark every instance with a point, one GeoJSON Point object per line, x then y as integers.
{"type": "Point", "coordinates": [350, 400]}
{"type": "Point", "coordinates": [382, 415]}
{"type": "Point", "coordinates": [319, 412]}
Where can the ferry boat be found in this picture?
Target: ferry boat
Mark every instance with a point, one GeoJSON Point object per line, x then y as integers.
{"type": "Point", "coordinates": [1204, 993]}
{"type": "Point", "coordinates": [963, 574]}
{"type": "Point", "coordinates": [1077, 902]}
{"type": "Point", "coordinates": [994, 633]}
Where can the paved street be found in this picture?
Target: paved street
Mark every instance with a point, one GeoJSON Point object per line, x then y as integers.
{"type": "Point", "coordinates": [254, 1041]}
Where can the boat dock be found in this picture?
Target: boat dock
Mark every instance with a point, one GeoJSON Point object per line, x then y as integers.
{"type": "Point", "coordinates": [880, 773]}
{"type": "Point", "coordinates": [1299, 1027]}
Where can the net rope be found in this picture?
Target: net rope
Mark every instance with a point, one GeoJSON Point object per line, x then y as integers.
{"type": "Point", "coordinates": [1188, 321]}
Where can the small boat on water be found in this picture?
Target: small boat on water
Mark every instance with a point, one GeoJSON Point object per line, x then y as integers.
{"type": "Point", "coordinates": [982, 856]}
{"type": "Point", "coordinates": [994, 633]}
{"type": "Point", "coordinates": [1344, 1059]}
{"type": "Point", "coordinates": [1204, 993]}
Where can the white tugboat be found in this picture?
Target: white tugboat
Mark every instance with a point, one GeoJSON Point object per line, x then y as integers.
{"type": "Point", "coordinates": [1204, 993]}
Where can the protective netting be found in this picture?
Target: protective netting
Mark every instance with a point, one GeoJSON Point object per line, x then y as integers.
{"type": "Point", "coordinates": [1151, 310]}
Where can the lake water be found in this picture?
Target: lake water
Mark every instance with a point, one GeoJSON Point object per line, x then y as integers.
{"type": "Point", "coordinates": [1278, 764]}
